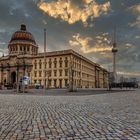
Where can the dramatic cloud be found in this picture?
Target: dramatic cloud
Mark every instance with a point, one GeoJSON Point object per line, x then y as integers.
{"type": "Point", "coordinates": [65, 18]}
{"type": "Point", "coordinates": [136, 10]}
{"type": "Point", "coordinates": [102, 43]}
{"type": "Point", "coordinates": [68, 11]}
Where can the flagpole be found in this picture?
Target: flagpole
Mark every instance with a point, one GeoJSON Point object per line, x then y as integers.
{"type": "Point", "coordinates": [44, 61]}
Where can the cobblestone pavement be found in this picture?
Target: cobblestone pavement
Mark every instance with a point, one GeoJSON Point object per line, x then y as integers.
{"type": "Point", "coordinates": [114, 116]}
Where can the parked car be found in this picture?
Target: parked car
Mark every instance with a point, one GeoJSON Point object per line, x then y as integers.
{"type": "Point", "coordinates": [37, 86]}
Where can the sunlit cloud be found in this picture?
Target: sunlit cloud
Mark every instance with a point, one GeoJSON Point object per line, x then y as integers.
{"type": "Point", "coordinates": [68, 11]}
{"type": "Point", "coordinates": [84, 42]}
{"type": "Point", "coordinates": [136, 10]}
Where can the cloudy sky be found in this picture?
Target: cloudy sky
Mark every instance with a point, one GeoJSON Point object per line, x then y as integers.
{"type": "Point", "coordinates": [85, 26]}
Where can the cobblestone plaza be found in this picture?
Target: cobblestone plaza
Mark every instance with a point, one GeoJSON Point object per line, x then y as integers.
{"type": "Point", "coordinates": [109, 116]}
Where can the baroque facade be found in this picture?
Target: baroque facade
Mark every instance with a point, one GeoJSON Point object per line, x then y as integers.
{"type": "Point", "coordinates": [61, 69]}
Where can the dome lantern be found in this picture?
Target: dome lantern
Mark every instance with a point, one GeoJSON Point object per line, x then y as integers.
{"type": "Point", "coordinates": [23, 27]}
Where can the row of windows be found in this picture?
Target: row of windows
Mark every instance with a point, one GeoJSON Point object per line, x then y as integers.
{"type": "Point", "coordinates": [23, 48]}
{"type": "Point", "coordinates": [54, 82]}
{"type": "Point", "coordinates": [50, 73]}
{"type": "Point", "coordinates": [50, 64]}
{"type": "Point", "coordinates": [55, 59]}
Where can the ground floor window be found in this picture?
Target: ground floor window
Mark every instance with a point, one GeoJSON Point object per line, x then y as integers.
{"type": "Point", "coordinates": [55, 83]}
{"type": "Point", "coordinates": [49, 84]}
{"type": "Point", "coordinates": [40, 82]}
{"type": "Point", "coordinates": [66, 82]}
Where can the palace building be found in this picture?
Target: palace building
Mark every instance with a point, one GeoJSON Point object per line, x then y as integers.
{"type": "Point", "coordinates": [60, 70]}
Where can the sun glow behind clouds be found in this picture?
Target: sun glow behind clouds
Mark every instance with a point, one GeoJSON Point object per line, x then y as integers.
{"type": "Point", "coordinates": [68, 11]}
{"type": "Point", "coordinates": [102, 43]}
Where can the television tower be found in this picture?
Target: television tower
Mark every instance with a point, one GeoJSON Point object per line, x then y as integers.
{"type": "Point", "coordinates": [114, 52]}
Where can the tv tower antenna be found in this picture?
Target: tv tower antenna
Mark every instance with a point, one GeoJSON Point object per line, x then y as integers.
{"type": "Point", "coordinates": [114, 52]}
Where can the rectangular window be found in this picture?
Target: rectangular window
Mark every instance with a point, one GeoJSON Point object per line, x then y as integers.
{"type": "Point", "coordinates": [55, 83]}
{"type": "Point", "coordinates": [50, 64]}
{"type": "Point", "coordinates": [60, 64]}
{"type": "Point", "coordinates": [28, 48]}
{"type": "Point", "coordinates": [66, 72]}
{"type": "Point", "coordinates": [50, 73]}
{"type": "Point", "coordinates": [35, 65]}
{"type": "Point", "coordinates": [55, 73]}
{"type": "Point", "coordinates": [60, 72]}
{"type": "Point", "coordinates": [45, 73]}
{"type": "Point", "coordinates": [66, 82]}
{"type": "Point", "coordinates": [35, 81]}
{"type": "Point", "coordinates": [66, 63]}
{"type": "Point", "coordinates": [49, 82]}
{"type": "Point", "coordinates": [45, 65]}
{"type": "Point", "coordinates": [40, 64]}
{"type": "Point", "coordinates": [39, 82]}
{"type": "Point", "coordinates": [55, 65]}
{"type": "Point", "coordinates": [35, 74]}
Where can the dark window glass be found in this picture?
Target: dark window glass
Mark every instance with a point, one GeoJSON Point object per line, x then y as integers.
{"type": "Point", "coordinates": [40, 64]}
{"type": "Point", "coordinates": [55, 73]}
{"type": "Point", "coordinates": [60, 72]}
{"type": "Point", "coordinates": [66, 82]}
{"type": "Point", "coordinates": [66, 72]}
{"type": "Point", "coordinates": [35, 74]}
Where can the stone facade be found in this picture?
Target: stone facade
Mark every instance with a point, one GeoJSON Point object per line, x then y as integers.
{"type": "Point", "coordinates": [62, 68]}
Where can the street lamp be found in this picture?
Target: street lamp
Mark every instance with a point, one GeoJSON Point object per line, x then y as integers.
{"type": "Point", "coordinates": [24, 67]}
{"type": "Point", "coordinates": [8, 70]}
{"type": "Point", "coordinates": [17, 65]}
{"type": "Point", "coordinates": [44, 61]}
{"type": "Point", "coordinates": [1, 73]}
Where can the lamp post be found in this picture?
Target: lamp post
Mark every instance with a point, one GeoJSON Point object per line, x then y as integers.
{"type": "Point", "coordinates": [71, 79]}
{"type": "Point", "coordinates": [24, 68]}
{"type": "Point", "coordinates": [44, 61]}
{"type": "Point", "coordinates": [8, 71]}
{"type": "Point", "coordinates": [17, 64]}
{"type": "Point", "coordinates": [1, 74]}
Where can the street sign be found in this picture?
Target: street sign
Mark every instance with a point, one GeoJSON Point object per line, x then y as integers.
{"type": "Point", "coordinates": [25, 80]}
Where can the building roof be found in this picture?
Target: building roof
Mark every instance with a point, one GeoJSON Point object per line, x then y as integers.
{"type": "Point", "coordinates": [66, 52]}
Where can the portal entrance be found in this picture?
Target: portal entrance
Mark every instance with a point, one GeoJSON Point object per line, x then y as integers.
{"type": "Point", "coordinates": [13, 77]}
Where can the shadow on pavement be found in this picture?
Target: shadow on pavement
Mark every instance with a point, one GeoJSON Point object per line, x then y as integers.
{"type": "Point", "coordinates": [65, 92]}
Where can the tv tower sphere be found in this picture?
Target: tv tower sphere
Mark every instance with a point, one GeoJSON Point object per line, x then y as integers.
{"type": "Point", "coordinates": [114, 49]}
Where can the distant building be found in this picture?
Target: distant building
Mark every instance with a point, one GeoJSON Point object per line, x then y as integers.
{"type": "Point", "coordinates": [62, 67]}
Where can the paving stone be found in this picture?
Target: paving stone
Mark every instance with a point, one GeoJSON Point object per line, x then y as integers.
{"type": "Point", "coordinates": [102, 117]}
